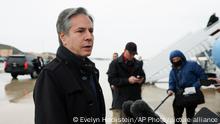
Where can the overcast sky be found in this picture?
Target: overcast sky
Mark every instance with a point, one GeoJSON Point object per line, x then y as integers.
{"type": "Point", "coordinates": [154, 25]}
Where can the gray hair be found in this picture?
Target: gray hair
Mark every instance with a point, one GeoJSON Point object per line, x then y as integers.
{"type": "Point", "coordinates": [63, 21]}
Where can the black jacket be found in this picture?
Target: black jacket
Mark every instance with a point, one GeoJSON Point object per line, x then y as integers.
{"type": "Point", "coordinates": [67, 91]}
{"type": "Point", "coordinates": [118, 74]}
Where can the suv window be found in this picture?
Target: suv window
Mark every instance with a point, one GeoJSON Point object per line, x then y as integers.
{"type": "Point", "coordinates": [17, 59]}
{"type": "Point", "coordinates": [30, 58]}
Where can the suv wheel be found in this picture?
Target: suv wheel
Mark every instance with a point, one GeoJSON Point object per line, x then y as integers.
{"type": "Point", "coordinates": [34, 75]}
{"type": "Point", "coordinates": [14, 75]}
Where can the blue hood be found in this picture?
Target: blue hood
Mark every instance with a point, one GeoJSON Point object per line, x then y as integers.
{"type": "Point", "coordinates": [177, 53]}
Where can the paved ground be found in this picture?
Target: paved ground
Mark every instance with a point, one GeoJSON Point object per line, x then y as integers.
{"type": "Point", "coordinates": [17, 107]}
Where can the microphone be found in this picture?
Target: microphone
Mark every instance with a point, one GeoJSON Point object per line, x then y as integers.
{"type": "Point", "coordinates": [126, 108]}
{"type": "Point", "coordinates": [141, 109]}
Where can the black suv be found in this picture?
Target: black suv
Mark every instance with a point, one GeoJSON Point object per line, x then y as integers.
{"type": "Point", "coordinates": [23, 64]}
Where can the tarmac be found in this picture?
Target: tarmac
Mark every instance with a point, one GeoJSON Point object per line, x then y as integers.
{"type": "Point", "coordinates": [18, 106]}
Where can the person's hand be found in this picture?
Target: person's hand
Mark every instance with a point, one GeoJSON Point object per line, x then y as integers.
{"type": "Point", "coordinates": [170, 92]}
{"type": "Point", "coordinates": [218, 89]}
{"type": "Point", "coordinates": [216, 79]}
{"type": "Point", "coordinates": [140, 80]}
{"type": "Point", "coordinates": [217, 86]}
{"type": "Point", "coordinates": [133, 79]}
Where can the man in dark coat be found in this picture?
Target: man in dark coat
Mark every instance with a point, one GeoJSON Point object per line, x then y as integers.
{"type": "Point", "coordinates": [114, 57]}
{"type": "Point", "coordinates": [67, 90]}
{"type": "Point", "coordinates": [127, 75]}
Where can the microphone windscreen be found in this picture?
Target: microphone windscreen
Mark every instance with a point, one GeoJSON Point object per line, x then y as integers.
{"type": "Point", "coordinates": [126, 108]}
{"type": "Point", "coordinates": [141, 109]}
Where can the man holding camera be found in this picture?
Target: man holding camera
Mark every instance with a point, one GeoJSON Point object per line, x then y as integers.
{"type": "Point", "coordinates": [127, 75]}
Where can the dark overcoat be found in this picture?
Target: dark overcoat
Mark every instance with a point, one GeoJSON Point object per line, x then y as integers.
{"type": "Point", "coordinates": [67, 91]}
{"type": "Point", "coordinates": [118, 74]}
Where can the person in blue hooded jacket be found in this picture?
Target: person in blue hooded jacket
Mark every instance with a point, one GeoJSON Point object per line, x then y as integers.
{"type": "Point", "coordinates": [184, 74]}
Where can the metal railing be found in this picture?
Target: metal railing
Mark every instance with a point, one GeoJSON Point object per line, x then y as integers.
{"type": "Point", "coordinates": [191, 45]}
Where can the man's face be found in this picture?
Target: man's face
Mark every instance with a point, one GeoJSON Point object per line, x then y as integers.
{"type": "Point", "coordinates": [115, 56]}
{"type": "Point", "coordinates": [79, 39]}
{"type": "Point", "coordinates": [176, 62]}
{"type": "Point", "coordinates": [129, 55]}
{"type": "Point", "coordinates": [176, 59]}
